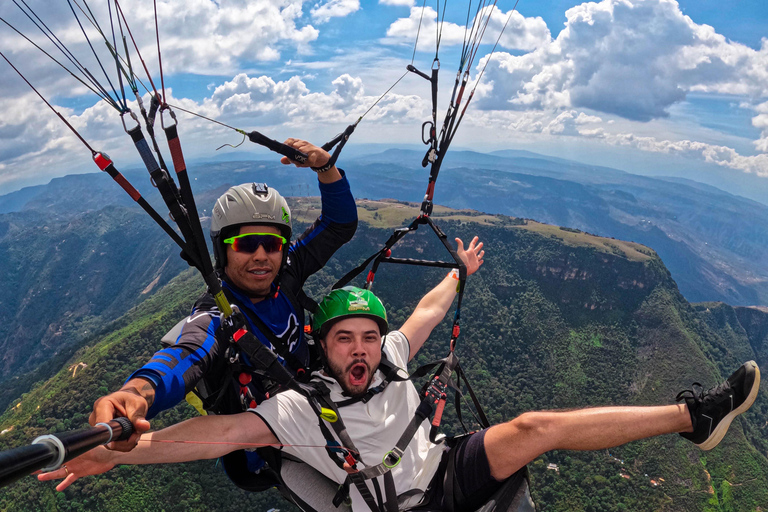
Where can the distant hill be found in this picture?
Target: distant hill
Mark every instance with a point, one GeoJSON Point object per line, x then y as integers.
{"type": "Point", "coordinates": [556, 318]}
{"type": "Point", "coordinates": [714, 243]}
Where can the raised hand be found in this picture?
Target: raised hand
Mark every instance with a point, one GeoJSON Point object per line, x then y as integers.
{"type": "Point", "coordinates": [317, 157]}
{"type": "Point", "coordinates": [472, 256]}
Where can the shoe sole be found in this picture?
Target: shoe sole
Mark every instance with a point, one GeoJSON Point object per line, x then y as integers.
{"type": "Point", "coordinates": [719, 432]}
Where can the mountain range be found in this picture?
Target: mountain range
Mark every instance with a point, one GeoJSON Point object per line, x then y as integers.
{"type": "Point", "coordinates": [714, 243]}
{"type": "Point", "coordinates": [558, 317]}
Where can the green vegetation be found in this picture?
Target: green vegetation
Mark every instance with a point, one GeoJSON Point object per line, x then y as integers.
{"type": "Point", "coordinates": [554, 319]}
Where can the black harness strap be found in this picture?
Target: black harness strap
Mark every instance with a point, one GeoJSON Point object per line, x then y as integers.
{"type": "Point", "coordinates": [346, 456]}
{"type": "Point", "coordinates": [481, 418]}
{"type": "Point", "coordinates": [280, 347]}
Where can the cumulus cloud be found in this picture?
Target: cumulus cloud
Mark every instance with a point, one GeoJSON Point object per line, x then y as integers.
{"type": "Point", "coordinates": [196, 36]}
{"type": "Point", "coordinates": [322, 13]}
{"type": "Point", "coordinates": [572, 123]}
{"type": "Point", "coordinates": [631, 58]}
{"type": "Point", "coordinates": [521, 33]}
{"type": "Point", "coordinates": [35, 143]}
{"type": "Point", "coordinates": [269, 102]}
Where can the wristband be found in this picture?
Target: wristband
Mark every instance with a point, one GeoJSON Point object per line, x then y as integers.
{"type": "Point", "coordinates": [324, 168]}
{"type": "Point", "coordinates": [454, 274]}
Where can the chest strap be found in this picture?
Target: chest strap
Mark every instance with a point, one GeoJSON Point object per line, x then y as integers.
{"type": "Point", "coordinates": [347, 456]}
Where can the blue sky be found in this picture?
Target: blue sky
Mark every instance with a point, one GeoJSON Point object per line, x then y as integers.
{"type": "Point", "coordinates": [649, 86]}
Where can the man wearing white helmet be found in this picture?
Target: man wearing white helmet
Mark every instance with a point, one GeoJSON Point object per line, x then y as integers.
{"type": "Point", "coordinates": [262, 273]}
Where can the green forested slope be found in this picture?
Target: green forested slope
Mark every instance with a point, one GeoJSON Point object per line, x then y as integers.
{"type": "Point", "coordinates": [64, 275]}
{"type": "Point", "coordinates": [554, 319]}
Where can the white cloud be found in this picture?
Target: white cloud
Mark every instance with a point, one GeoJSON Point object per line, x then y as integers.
{"type": "Point", "coordinates": [521, 33]}
{"type": "Point", "coordinates": [574, 124]}
{"type": "Point", "coordinates": [196, 36]}
{"type": "Point", "coordinates": [761, 121]}
{"type": "Point", "coordinates": [632, 58]}
{"type": "Point", "coordinates": [322, 13]}
{"type": "Point", "coordinates": [402, 3]}
{"type": "Point", "coordinates": [290, 102]}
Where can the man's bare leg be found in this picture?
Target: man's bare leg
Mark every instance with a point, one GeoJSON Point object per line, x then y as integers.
{"type": "Point", "coordinates": [703, 419]}
{"type": "Point", "coordinates": [510, 446]}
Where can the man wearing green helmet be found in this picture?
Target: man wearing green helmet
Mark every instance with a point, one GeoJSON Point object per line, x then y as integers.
{"type": "Point", "coordinates": [351, 323]}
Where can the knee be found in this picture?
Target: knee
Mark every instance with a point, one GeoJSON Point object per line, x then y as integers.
{"type": "Point", "coordinates": [535, 424]}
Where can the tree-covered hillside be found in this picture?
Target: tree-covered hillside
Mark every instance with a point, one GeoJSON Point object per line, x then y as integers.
{"type": "Point", "coordinates": [556, 318]}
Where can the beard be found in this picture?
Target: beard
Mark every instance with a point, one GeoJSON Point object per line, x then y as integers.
{"type": "Point", "coordinates": [342, 374]}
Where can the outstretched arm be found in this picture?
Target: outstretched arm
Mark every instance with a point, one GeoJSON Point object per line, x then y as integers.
{"type": "Point", "coordinates": [434, 305]}
{"type": "Point", "coordinates": [335, 226]}
{"type": "Point", "coordinates": [203, 437]}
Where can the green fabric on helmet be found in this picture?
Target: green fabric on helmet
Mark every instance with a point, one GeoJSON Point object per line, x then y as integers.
{"type": "Point", "coordinates": [346, 302]}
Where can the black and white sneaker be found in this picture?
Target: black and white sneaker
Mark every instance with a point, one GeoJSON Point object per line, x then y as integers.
{"type": "Point", "coordinates": [713, 410]}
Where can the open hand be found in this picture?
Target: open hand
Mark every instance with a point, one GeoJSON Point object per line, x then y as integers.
{"type": "Point", "coordinates": [472, 256]}
{"type": "Point", "coordinates": [94, 462]}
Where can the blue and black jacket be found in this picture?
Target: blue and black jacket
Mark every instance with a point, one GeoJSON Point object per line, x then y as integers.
{"type": "Point", "coordinates": [177, 370]}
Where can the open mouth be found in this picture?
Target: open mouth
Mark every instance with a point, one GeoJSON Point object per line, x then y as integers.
{"type": "Point", "coordinates": [358, 374]}
{"type": "Point", "coordinates": [260, 272]}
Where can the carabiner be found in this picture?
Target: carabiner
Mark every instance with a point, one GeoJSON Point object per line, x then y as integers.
{"type": "Point", "coordinates": [431, 138]}
{"type": "Point", "coordinates": [172, 114]}
{"type": "Point", "coordinates": [133, 116]}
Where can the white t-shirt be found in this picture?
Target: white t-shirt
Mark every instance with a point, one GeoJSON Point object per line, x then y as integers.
{"type": "Point", "coordinates": [374, 427]}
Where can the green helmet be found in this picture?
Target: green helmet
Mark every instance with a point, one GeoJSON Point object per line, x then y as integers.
{"type": "Point", "coordinates": [345, 302]}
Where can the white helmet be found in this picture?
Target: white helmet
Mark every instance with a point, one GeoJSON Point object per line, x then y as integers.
{"type": "Point", "coordinates": [247, 204]}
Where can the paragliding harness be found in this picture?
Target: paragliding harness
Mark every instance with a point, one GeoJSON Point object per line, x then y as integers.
{"type": "Point", "coordinates": [513, 495]}
{"type": "Point", "coordinates": [235, 373]}
{"type": "Point", "coordinates": [231, 387]}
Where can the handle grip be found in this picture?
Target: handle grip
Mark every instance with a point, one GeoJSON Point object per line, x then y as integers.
{"type": "Point", "coordinates": [50, 451]}
{"type": "Point", "coordinates": [278, 147]}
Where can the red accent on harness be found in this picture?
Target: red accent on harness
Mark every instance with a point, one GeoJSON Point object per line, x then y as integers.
{"type": "Point", "coordinates": [102, 161]}
{"type": "Point", "coordinates": [120, 179]}
{"type": "Point", "coordinates": [431, 190]}
{"type": "Point", "coordinates": [245, 378]}
{"type": "Point", "coordinates": [439, 412]}
{"type": "Point", "coordinates": [369, 279]}
{"type": "Point", "coordinates": [456, 330]}
{"type": "Point", "coordinates": [388, 253]}
{"type": "Point", "coordinates": [276, 292]}
{"type": "Point", "coordinates": [253, 404]}
{"type": "Point", "coordinates": [300, 371]}
{"type": "Point", "coordinates": [178, 157]}
{"type": "Point", "coordinates": [307, 328]}
{"type": "Point", "coordinates": [239, 334]}
{"type": "Point", "coordinates": [351, 461]}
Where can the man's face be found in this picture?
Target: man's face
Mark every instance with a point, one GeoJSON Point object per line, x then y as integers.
{"type": "Point", "coordinates": [353, 350]}
{"type": "Point", "coordinates": [254, 272]}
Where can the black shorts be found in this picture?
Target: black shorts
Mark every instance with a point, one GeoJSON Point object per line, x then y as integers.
{"type": "Point", "coordinates": [472, 484]}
